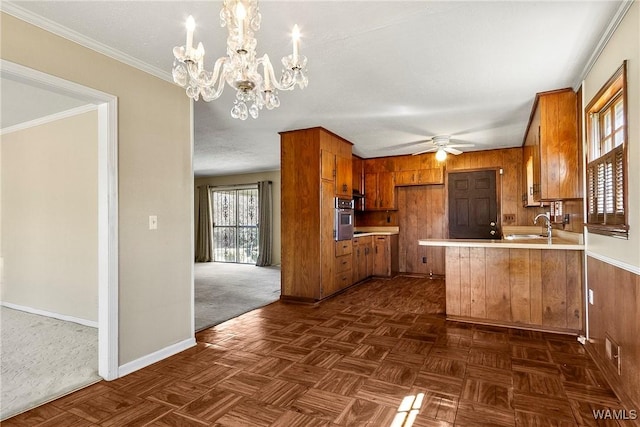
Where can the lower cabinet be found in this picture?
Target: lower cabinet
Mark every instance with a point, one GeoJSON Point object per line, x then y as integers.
{"type": "Point", "coordinates": [385, 255]}
{"type": "Point", "coordinates": [362, 258]}
{"type": "Point", "coordinates": [343, 264]}
{"type": "Point", "coordinates": [536, 288]}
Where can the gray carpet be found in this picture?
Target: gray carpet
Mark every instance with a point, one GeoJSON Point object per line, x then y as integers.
{"type": "Point", "coordinates": [43, 358]}
{"type": "Point", "coordinates": [226, 290]}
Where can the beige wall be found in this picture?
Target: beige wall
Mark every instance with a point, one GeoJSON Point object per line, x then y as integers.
{"type": "Point", "coordinates": [616, 308]}
{"type": "Point", "coordinates": [625, 44]}
{"type": "Point", "coordinates": [50, 244]}
{"type": "Point", "coordinates": [250, 178]}
{"type": "Point", "coordinates": [155, 178]}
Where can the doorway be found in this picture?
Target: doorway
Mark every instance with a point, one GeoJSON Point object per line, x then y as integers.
{"type": "Point", "coordinates": [235, 225]}
{"type": "Point", "coordinates": [473, 206]}
{"type": "Point", "coordinates": [107, 206]}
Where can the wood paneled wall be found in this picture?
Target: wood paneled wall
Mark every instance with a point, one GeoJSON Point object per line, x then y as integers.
{"type": "Point", "coordinates": [421, 215]}
{"type": "Point", "coordinates": [616, 313]}
{"type": "Point", "coordinates": [509, 187]}
{"type": "Point", "coordinates": [529, 287]}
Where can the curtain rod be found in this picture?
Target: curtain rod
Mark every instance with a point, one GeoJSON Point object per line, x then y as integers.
{"type": "Point", "coordinates": [232, 185]}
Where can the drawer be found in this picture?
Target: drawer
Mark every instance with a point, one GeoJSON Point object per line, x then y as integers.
{"type": "Point", "coordinates": [343, 263]}
{"type": "Point", "coordinates": [343, 279]}
{"type": "Point", "coordinates": [343, 247]}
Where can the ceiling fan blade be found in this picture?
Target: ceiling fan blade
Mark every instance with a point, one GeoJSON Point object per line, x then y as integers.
{"type": "Point", "coordinates": [460, 145]}
{"type": "Point", "coordinates": [448, 149]}
{"type": "Point", "coordinates": [430, 150]}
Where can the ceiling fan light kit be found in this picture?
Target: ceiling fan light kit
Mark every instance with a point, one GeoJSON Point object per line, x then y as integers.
{"type": "Point", "coordinates": [240, 68]}
{"type": "Point", "coordinates": [441, 144]}
{"type": "Point", "coordinates": [441, 155]}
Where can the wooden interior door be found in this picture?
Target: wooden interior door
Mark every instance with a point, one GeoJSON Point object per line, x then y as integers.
{"type": "Point", "coordinates": [421, 215]}
{"type": "Point", "coordinates": [473, 207]}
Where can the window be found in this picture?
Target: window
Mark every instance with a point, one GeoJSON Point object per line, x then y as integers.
{"type": "Point", "coordinates": [606, 119]}
{"type": "Point", "coordinates": [235, 225]}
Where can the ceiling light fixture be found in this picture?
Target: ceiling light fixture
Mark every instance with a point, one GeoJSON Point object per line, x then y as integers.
{"type": "Point", "coordinates": [240, 68]}
{"type": "Point", "coordinates": [441, 155]}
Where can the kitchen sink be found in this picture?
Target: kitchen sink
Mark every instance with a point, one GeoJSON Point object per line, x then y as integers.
{"type": "Point", "coordinates": [524, 236]}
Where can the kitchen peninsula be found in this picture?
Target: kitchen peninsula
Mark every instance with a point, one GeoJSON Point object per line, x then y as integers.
{"type": "Point", "coordinates": [528, 283]}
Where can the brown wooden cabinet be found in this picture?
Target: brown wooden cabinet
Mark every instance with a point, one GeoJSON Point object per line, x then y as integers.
{"type": "Point", "coordinates": [420, 177]}
{"type": "Point", "coordinates": [362, 258]}
{"type": "Point", "coordinates": [554, 149]}
{"type": "Point", "coordinates": [344, 181]}
{"type": "Point", "coordinates": [308, 188]}
{"type": "Point", "coordinates": [380, 191]}
{"type": "Point", "coordinates": [533, 288]}
{"type": "Point", "coordinates": [385, 255]}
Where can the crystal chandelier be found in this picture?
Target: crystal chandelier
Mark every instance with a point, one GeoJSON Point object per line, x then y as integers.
{"type": "Point", "coordinates": [240, 69]}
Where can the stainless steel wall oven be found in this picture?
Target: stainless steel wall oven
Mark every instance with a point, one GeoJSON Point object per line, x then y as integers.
{"type": "Point", "coordinates": [344, 219]}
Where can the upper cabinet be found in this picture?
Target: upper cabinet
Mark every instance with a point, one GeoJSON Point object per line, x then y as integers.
{"type": "Point", "coordinates": [420, 177]}
{"type": "Point", "coordinates": [336, 163]}
{"type": "Point", "coordinates": [344, 181]}
{"type": "Point", "coordinates": [380, 191]}
{"type": "Point", "coordinates": [551, 161]}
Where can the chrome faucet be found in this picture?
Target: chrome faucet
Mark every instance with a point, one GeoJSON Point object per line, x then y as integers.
{"type": "Point", "coordinates": [547, 217]}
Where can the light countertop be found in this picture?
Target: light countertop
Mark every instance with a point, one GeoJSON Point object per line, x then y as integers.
{"type": "Point", "coordinates": [556, 243]}
{"type": "Point", "coordinates": [375, 231]}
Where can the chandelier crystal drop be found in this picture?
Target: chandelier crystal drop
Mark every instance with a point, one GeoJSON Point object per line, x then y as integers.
{"type": "Point", "coordinates": [252, 78]}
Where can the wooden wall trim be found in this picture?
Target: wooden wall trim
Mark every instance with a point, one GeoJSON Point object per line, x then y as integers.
{"type": "Point", "coordinates": [620, 264]}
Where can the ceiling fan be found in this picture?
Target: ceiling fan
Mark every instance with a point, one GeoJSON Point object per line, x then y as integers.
{"type": "Point", "coordinates": [441, 144]}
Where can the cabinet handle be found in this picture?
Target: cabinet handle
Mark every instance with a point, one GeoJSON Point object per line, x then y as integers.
{"type": "Point", "coordinates": [344, 188]}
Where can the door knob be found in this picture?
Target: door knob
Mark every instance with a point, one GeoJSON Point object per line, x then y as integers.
{"type": "Point", "coordinates": [492, 232]}
{"type": "Point", "coordinates": [492, 223]}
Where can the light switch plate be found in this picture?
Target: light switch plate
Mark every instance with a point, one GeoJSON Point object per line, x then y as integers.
{"type": "Point", "coordinates": [153, 222]}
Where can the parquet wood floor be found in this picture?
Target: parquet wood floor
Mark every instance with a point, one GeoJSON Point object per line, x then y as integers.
{"type": "Point", "coordinates": [380, 354]}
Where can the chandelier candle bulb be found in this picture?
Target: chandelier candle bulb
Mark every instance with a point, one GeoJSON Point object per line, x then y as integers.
{"type": "Point", "coordinates": [191, 25]}
{"type": "Point", "coordinates": [241, 13]}
{"type": "Point", "coordinates": [296, 42]}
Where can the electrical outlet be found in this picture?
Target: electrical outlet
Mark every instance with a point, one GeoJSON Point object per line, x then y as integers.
{"type": "Point", "coordinates": [424, 259]}
{"type": "Point", "coordinates": [509, 218]}
{"type": "Point", "coordinates": [591, 296]}
{"type": "Point", "coordinates": [612, 351]}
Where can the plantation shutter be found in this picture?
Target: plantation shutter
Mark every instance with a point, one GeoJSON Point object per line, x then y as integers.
{"type": "Point", "coordinates": [605, 179]}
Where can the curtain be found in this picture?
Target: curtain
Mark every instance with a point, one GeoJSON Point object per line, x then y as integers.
{"type": "Point", "coordinates": [204, 243]}
{"type": "Point", "coordinates": [265, 229]}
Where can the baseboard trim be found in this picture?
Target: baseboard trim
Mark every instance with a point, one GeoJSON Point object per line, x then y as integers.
{"type": "Point", "coordinates": [612, 378]}
{"type": "Point", "coordinates": [85, 322]}
{"type": "Point", "coordinates": [154, 357]}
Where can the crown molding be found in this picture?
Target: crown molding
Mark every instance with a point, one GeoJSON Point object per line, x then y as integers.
{"type": "Point", "coordinates": [50, 118]}
{"type": "Point", "coordinates": [604, 39]}
{"type": "Point", "coordinates": [74, 36]}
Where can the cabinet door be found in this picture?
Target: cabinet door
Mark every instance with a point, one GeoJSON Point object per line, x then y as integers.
{"type": "Point", "coordinates": [381, 256]}
{"type": "Point", "coordinates": [407, 177]}
{"type": "Point", "coordinates": [386, 190]}
{"type": "Point", "coordinates": [371, 191]}
{"type": "Point", "coordinates": [368, 254]}
{"type": "Point", "coordinates": [327, 242]}
{"type": "Point", "coordinates": [328, 165]}
{"type": "Point", "coordinates": [344, 180]}
{"type": "Point", "coordinates": [355, 262]}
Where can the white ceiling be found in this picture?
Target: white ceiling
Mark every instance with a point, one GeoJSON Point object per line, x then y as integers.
{"type": "Point", "coordinates": [381, 74]}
